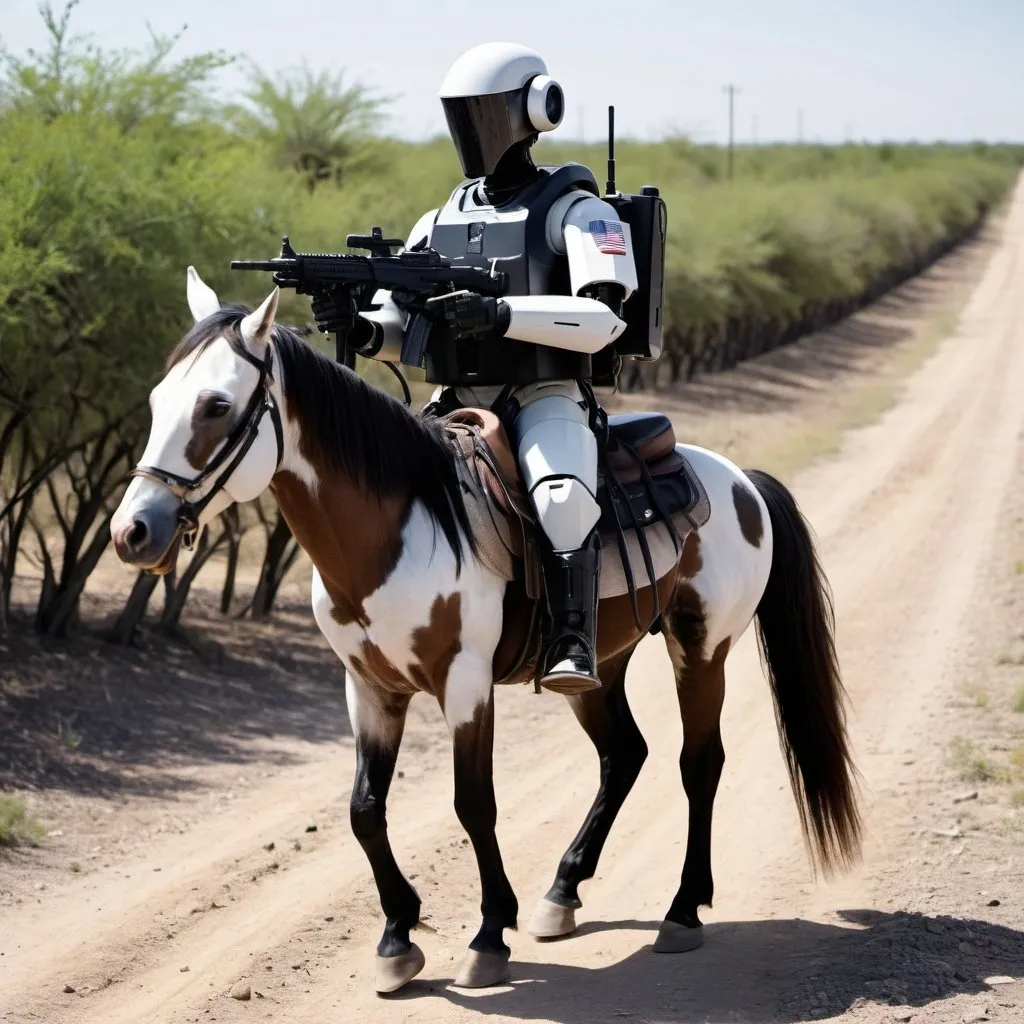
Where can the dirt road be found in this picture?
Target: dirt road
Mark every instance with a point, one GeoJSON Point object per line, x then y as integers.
{"type": "Point", "coordinates": [919, 518]}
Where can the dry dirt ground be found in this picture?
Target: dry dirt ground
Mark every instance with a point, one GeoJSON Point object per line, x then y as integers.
{"type": "Point", "coordinates": [197, 804]}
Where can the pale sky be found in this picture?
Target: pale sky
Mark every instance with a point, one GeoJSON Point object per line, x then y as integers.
{"type": "Point", "coordinates": [864, 69]}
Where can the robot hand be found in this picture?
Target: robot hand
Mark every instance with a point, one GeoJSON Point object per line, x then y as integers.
{"type": "Point", "coordinates": [471, 315]}
{"type": "Point", "coordinates": [335, 313]}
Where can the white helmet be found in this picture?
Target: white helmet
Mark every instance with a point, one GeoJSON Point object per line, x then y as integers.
{"type": "Point", "coordinates": [494, 96]}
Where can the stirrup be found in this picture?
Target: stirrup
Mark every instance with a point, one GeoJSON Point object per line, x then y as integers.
{"type": "Point", "coordinates": [568, 676]}
{"type": "Point", "coordinates": [569, 684]}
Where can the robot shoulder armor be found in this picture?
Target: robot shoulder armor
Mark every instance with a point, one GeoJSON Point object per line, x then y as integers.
{"type": "Point", "coordinates": [422, 229]}
{"type": "Point", "coordinates": [590, 208]}
{"type": "Point", "coordinates": [575, 207]}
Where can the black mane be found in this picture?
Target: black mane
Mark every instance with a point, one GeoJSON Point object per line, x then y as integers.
{"type": "Point", "coordinates": [355, 428]}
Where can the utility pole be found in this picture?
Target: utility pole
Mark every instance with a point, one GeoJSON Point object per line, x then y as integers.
{"type": "Point", "coordinates": [731, 90]}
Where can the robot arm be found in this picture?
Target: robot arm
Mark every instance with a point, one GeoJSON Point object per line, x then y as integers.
{"type": "Point", "coordinates": [385, 323]}
{"type": "Point", "coordinates": [602, 275]}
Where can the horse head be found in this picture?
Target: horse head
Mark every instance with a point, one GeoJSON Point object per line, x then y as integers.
{"type": "Point", "coordinates": [215, 436]}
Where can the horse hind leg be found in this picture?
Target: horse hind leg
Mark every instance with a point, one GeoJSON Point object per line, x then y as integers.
{"type": "Point", "coordinates": [700, 688]}
{"type": "Point", "coordinates": [607, 719]}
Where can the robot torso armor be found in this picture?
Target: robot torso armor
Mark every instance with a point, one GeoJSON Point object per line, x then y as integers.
{"type": "Point", "coordinates": [554, 239]}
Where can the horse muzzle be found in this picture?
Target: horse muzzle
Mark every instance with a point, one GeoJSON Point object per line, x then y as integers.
{"type": "Point", "coordinates": [149, 538]}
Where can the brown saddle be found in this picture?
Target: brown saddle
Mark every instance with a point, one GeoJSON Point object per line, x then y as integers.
{"type": "Point", "coordinates": [649, 498]}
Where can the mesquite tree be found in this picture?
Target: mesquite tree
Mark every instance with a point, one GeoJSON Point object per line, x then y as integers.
{"type": "Point", "coordinates": [113, 179]}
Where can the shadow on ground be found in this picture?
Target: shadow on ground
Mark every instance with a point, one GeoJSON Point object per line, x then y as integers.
{"type": "Point", "coordinates": [93, 718]}
{"type": "Point", "coordinates": [765, 972]}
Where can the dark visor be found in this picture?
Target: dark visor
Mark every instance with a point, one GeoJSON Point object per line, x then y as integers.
{"type": "Point", "coordinates": [483, 128]}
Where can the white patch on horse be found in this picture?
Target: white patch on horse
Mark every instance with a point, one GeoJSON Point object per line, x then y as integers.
{"type": "Point", "coordinates": [364, 712]}
{"type": "Point", "coordinates": [292, 458]}
{"type": "Point", "coordinates": [403, 604]}
{"type": "Point", "coordinates": [470, 679]}
{"type": "Point", "coordinates": [733, 574]}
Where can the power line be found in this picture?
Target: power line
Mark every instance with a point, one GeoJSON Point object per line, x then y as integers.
{"type": "Point", "coordinates": [731, 90]}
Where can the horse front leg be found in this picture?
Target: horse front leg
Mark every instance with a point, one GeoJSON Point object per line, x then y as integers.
{"type": "Point", "coordinates": [469, 711]}
{"type": "Point", "coordinates": [378, 722]}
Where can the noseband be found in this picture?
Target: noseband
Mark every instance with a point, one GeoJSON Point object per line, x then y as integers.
{"type": "Point", "coordinates": [237, 443]}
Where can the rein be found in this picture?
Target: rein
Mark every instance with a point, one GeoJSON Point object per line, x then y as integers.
{"type": "Point", "coordinates": [238, 443]}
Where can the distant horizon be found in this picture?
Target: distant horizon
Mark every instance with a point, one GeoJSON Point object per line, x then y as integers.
{"type": "Point", "coordinates": [804, 71]}
{"type": "Point", "coordinates": [557, 139]}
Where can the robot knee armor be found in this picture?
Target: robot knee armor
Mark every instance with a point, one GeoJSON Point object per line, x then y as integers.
{"type": "Point", "coordinates": [566, 510]}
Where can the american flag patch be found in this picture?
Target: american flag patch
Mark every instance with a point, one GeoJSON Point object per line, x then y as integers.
{"type": "Point", "coordinates": [609, 236]}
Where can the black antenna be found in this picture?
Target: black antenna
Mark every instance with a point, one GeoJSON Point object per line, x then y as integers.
{"type": "Point", "coordinates": [610, 188]}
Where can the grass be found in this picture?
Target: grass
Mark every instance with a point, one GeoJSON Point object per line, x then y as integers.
{"type": "Point", "coordinates": [1018, 700]}
{"type": "Point", "coordinates": [1011, 826]}
{"type": "Point", "coordinates": [1017, 798]}
{"type": "Point", "coordinates": [978, 693]}
{"type": "Point", "coordinates": [1019, 567]}
{"type": "Point", "coordinates": [972, 765]}
{"type": "Point", "coordinates": [17, 827]}
{"type": "Point", "coordinates": [927, 340]}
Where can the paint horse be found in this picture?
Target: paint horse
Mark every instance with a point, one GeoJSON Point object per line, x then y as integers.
{"type": "Point", "coordinates": [372, 493]}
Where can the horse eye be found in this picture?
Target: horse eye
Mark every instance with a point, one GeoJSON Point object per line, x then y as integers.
{"type": "Point", "coordinates": [217, 410]}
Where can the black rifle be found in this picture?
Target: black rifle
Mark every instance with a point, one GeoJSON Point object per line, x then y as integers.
{"type": "Point", "coordinates": [412, 277]}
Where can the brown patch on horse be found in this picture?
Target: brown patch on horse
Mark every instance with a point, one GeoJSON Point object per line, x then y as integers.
{"type": "Point", "coordinates": [707, 678]}
{"type": "Point", "coordinates": [507, 663]}
{"type": "Point", "coordinates": [690, 561]}
{"type": "Point", "coordinates": [353, 538]}
{"type": "Point", "coordinates": [748, 512]}
{"type": "Point", "coordinates": [616, 630]}
{"type": "Point", "coordinates": [687, 623]}
{"type": "Point", "coordinates": [436, 645]}
{"type": "Point", "coordinates": [207, 431]}
{"type": "Point", "coordinates": [373, 666]}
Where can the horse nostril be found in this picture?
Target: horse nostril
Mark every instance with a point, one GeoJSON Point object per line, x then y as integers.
{"type": "Point", "coordinates": [137, 536]}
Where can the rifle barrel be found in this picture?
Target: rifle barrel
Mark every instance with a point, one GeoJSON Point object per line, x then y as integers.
{"type": "Point", "coordinates": [258, 265]}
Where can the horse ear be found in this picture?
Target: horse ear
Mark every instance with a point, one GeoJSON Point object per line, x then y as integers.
{"type": "Point", "coordinates": [202, 299]}
{"type": "Point", "coordinates": [256, 327]}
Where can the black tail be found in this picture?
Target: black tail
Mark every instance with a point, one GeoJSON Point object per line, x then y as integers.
{"type": "Point", "coordinates": [795, 634]}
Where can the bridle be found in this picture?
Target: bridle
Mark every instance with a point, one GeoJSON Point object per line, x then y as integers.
{"type": "Point", "coordinates": [238, 443]}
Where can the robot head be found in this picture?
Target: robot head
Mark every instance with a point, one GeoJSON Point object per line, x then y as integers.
{"type": "Point", "coordinates": [494, 96]}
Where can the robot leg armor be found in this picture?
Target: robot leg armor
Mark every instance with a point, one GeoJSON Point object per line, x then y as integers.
{"type": "Point", "coordinates": [558, 457]}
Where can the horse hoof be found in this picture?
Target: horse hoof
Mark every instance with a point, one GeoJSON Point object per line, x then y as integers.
{"type": "Point", "coordinates": [677, 938]}
{"type": "Point", "coordinates": [395, 971]}
{"type": "Point", "coordinates": [481, 970]}
{"type": "Point", "coordinates": [550, 921]}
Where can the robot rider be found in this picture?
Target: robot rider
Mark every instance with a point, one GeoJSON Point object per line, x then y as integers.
{"type": "Point", "coordinates": [571, 268]}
